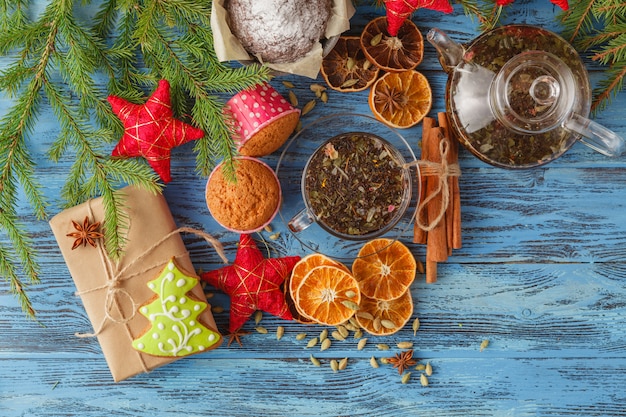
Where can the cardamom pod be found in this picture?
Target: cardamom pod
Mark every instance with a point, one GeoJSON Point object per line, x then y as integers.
{"type": "Point", "coordinates": [406, 377]}
{"type": "Point", "coordinates": [308, 107]}
{"type": "Point", "coordinates": [361, 343]}
{"type": "Point", "coordinates": [376, 39]}
{"type": "Point", "coordinates": [373, 362]}
{"type": "Point", "coordinates": [314, 360]}
{"type": "Point", "coordinates": [312, 342]}
{"type": "Point", "coordinates": [325, 344]}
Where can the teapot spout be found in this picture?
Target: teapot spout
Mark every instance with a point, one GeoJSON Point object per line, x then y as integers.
{"type": "Point", "coordinates": [450, 52]}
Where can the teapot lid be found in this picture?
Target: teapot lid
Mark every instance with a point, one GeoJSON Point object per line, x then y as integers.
{"type": "Point", "coordinates": [534, 92]}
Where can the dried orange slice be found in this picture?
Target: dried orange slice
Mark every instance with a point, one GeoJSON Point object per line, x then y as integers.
{"type": "Point", "coordinates": [346, 68]}
{"type": "Point", "coordinates": [392, 53]}
{"type": "Point", "coordinates": [384, 269]}
{"type": "Point", "coordinates": [328, 295]}
{"type": "Point", "coordinates": [379, 317]}
{"type": "Point", "coordinates": [305, 265]}
{"type": "Point", "coordinates": [401, 99]}
{"type": "Point", "coordinates": [299, 271]}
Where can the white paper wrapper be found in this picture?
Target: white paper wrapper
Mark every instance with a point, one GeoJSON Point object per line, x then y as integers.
{"type": "Point", "coordinates": [228, 47]}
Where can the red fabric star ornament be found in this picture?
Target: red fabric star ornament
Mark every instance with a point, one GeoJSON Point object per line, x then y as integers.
{"type": "Point", "coordinates": [253, 283]}
{"type": "Point", "coordinates": [151, 131]}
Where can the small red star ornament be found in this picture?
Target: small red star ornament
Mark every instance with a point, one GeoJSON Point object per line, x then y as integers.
{"type": "Point", "coordinates": [253, 283]}
{"type": "Point", "coordinates": [151, 131]}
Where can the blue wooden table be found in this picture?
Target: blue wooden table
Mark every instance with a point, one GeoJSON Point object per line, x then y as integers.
{"type": "Point", "coordinates": [541, 275]}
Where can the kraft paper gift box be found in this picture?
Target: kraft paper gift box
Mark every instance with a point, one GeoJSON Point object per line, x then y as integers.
{"type": "Point", "coordinates": [112, 291]}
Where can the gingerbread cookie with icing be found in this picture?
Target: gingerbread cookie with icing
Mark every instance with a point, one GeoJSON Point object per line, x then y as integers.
{"type": "Point", "coordinates": [174, 328]}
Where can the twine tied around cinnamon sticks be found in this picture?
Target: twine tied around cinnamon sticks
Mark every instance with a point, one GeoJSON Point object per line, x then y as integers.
{"type": "Point", "coordinates": [438, 217]}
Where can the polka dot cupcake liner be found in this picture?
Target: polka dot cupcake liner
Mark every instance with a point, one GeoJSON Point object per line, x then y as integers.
{"type": "Point", "coordinates": [253, 109]}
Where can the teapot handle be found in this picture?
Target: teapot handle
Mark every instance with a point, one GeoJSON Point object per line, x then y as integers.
{"type": "Point", "coordinates": [596, 136]}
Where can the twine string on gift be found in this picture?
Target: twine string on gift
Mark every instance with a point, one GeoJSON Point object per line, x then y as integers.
{"type": "Point", "coordinates": [441, 170]}
{"type": "Point", "coordinates": [116, 278]}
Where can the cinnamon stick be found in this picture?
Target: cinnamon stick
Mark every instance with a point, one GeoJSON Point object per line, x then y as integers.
{"type": "Point", "coordinates": [453, 213]}
{"type": "Point", "coordinates": [436, 244]}
{"type": "Point", "coordinates": [419, 235]}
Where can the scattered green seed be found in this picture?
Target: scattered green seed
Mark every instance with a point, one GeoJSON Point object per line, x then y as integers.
{"type": "Point", "coordinates": [293, 99]}
{"type": "Point", "coordinates": [349, 83]}
{"type": "Point", "coordinates": [325, 344]}
{"type": "Point", "coordinates": [261, 329]}
{"type": "Point", "coordinates": [406, 377]}
{"type": "Point", "coordinates": [365, 315]}
{"type": "Point", "coordinates": [317, 88]}
{"type": "Point", "coordinates": [373, 362]}
{"type": "Point", "coordinates": [308, 107]}
{"type": "Point", "coordinates": [376, 39]}
{"type": "Point", "coordinates": [416, 325]}
{"type": "Point", "coordinates": [288, 84]}
{"type": "Point", "coordinates": [376, 324]}
{"type": "Point", "coordinates": [343, 331]}
{"type": "Point", "coordinates": [312, 342]}
{"type": "Point", "coordinates": [323, 335]}
{"type": "Point", "coordinates": [367, 64]}
{"type": "Point", "coordinates": [358, 334]}
{"type": "Point", "coordinates": [258, 316]}
{"type": "Point", "coordinates": [382, 346]}
{"type": "Point", "coordinates": [350, 63]}
{"type": "Point", "coordinates": [429, 369]}
{"type": "Point", "coordinates": [334, 365]}
{"type": "Point", "coordinates": [274, 236]}
{"type": "Point", "coordinates": [423, 380]}
{"type": "Point", "coordinates": [300, 336]}
{"type": "Point", "coordinates": [420, 367]}
{"type": "Point", "coordinates": [384, 361]}
{"type": "Point", "coordinates": [324, 97]}
{"type": "Point", "coordinates": [484, 344]}
{"type": "Point", "coordinates": [405, 345]}
{"type": "Point", "coordinates": [337, 336]}
{"type": "Point", "coordinates": [361, 343]}
{"type": "Point", "coordinates": [314, 360]}
{"type": "Point", "coordinates": [343, 364]}
{"type": "Point", "coordinates": [280, 331]}
{"type": "Point", "coordinates": [350, 304]}
{"type": "Point", "coordinates": [350, 294]}
{"type": "Point", "coordinates": [388, 324]}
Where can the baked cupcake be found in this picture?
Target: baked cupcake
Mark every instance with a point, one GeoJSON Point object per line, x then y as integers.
{"type": "Point", "coordinates": [248, 204]}
{"type": "Point", "coordinates": [262, 120]}
{"type": "Point", "coordinates": [278, 31]}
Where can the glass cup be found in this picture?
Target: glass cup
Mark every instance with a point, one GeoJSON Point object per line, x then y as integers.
{"type": "Point", "coordinates": [355, 186]}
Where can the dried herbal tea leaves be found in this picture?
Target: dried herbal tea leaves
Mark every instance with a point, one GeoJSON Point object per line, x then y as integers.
{"type": "Point", "coordinates": [355, 184]}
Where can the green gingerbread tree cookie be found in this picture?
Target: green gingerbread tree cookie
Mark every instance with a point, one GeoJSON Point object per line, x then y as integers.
{"type": "Point", "coordinates": [174, 326]}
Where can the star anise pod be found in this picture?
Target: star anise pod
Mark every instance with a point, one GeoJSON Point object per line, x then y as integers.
{"type": "Point", "coordinates": [403, 360]}
{"type": "Point", "coordinates": [85, 233]}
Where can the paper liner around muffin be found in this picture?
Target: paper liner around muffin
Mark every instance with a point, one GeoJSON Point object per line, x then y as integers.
{"type": "Point", "coordinates": [262, 120]}
{"type": "Point", "coordinates": [228, 47]}
{"type": "Point", "coordinates": [219, 218]}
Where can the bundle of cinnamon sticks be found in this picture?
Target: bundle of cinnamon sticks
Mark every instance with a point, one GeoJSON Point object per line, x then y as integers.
{"type": "Point", "coordinates": [438, 219]}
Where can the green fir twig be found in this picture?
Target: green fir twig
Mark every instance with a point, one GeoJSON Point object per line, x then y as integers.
{"type": "Point", "coordinates": [56, 61]}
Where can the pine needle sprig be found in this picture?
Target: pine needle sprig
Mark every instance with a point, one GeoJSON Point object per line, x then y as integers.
{"type": "Point", "coordinates": [597, 28]}
{"type": "Point", "coordinates": [59, 60]}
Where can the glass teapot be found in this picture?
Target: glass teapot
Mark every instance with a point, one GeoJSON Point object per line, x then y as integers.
{"type": "Point", "coordinates": [519, 96]}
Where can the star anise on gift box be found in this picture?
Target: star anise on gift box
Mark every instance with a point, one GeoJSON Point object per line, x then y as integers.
{"type": "Point", "coordinates": [403, 360]}
{"type": "Point", "coordinates": [85, 233]}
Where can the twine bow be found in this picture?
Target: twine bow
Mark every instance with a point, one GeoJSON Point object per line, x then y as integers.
{"type": "Point", "coordinates": [441, 170]}
{"type": "Point", "coordinates": [116, 278]}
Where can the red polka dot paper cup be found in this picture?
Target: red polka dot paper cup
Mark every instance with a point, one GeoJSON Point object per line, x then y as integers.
{"type": "Point", "coordinates": [262, 120]}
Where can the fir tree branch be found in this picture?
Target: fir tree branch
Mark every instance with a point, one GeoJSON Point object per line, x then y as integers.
{"type": "Point", "coordinates": [57, 56]}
